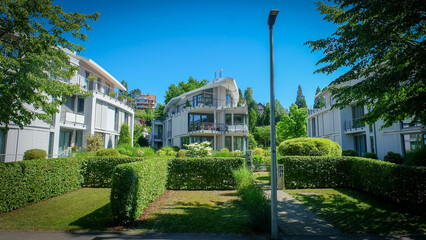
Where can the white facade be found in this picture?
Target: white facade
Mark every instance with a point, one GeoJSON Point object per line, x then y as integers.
{"type": "Point", "coordinates": [340, 125]}
{"type": "Point", "coordinates": [210, 113]}
{"type": "Point", "coordinates": [102, 113]}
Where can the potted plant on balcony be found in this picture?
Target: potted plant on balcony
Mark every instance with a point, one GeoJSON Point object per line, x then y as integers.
{"type": "Point", "coordinates": [120, 97]}
{"type": "Point", "coordinates": [112, 94]}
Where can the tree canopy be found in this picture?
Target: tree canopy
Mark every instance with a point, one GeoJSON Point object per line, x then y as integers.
{"type": "Point", "coordinates": [182, 87]}
{"type": "Point", "coordinates": [300, 98]}
{"type": "Point", "coordinates": [32, 39]}
{"type": "Point", "coordinates": [383, 44]}
{"type": "Point", "coordinates": [292, 125]}
{"type": "Point", "coordinates": [319, 101]}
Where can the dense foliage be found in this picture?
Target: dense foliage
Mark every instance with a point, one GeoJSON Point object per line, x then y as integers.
{"type": "Point", "coordinates": [310, 147]}
{"type": "Point", "coordinates": [31, 181]}
{"type": "Point", "coordinates": [198, 149]}
{"type": "Point", "coordinates": [293, 125]}
{"type": "Point", "coordinates": [125, 137]}
{"type": "Point", "coordinates": [394, 158]}
{"type": "Point", "coordinates": [254, 200]}
{"type": "Point", "coordinates": [35, 154]}
{"type": "Point", "coordinates": [94, 142]}
{"type": "Point", "coordinates": [202, 173]}
{"type": "Point", "coordinates": [350, 152]}
{"type": "Point", "coordinates": [108, 152]}
{"type": "Point", "coordinates": [33, 35]}
{"type": "Point", "coordinates": [401, 184]}
{"type": "Point", "coordinates": [182, 87]}
{"type": "Point", "coordinates": [300, 98]}
{"type": "Point", "coordinates": [134, 186]}
{"type": "Point", "coordinates": [382, 42]}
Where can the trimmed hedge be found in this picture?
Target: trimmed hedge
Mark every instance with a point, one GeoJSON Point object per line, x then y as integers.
{"type": "Point", "coordinates": [401, 184]}
{"type": "Point", "coordinates": [309, 147]}
{"type": "Point", "coordinates": [134, 186]}
{"type": "Point", "coordinates": [97, 171]}
{"type": "Point", "coordinates": [202, 173]}
{"type": "Point", "coordinates": [27, 182]}
{"type": "Point", "coordinates": [107, 152]}
{"type": "Point", "coordinates": [35, 154]}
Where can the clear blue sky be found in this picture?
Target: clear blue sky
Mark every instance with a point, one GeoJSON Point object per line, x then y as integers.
{"type": "Point", "coordinates": [152, 44]}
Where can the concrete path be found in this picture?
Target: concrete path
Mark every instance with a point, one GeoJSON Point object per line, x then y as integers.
{"type": "Point", "coordinates": [295, 219]}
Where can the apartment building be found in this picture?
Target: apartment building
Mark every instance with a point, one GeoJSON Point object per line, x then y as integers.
{"type": "Point", "coordinates": [210, 113]}
{"type": "Point", "coordinates": [145, 101]}
{"type": "Point", "coordinates": [102, 113]}
{"type": "Point", "coordinates": [341, 126]}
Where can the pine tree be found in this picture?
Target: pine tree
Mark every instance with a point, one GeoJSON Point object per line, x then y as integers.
{"type": "Point", "coordinates": [125, 137]}
{"type": "Point", "coordinates": [300, 99]}
{"type": "Point", "coordinates": [317, 102]}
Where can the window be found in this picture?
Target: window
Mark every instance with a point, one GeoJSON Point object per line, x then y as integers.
{"type": "Point", "coordinates": [240, 144]}
{"type": "Point", "coordinates": [228, 119]}
{"type": "Point", "coordinates": [79, 139]}
{"type": "Point", "coordinates": [3, 138]}
{"type": "Point", "coordinates": [413, 141]}
{"type": "Point", "coordinates": [239, 119]}
{"type": "Point", "coordinates": [116, 119]}
{"type": "Point", "coordinates": [198, 121]}
{"type": "Point", "coordinates": [314, 130]}
{"type": "Point", "coordinates": [69, 104]}
{"type": "Point", "coordinates": [228, 100]}
{"type": "Point", "coordinates": [228, 143]}
{"type": "Point", "coordinates": [51, 139]}
{"type": "Point", "coordinates": [360, 145]}
{"type": "Point", "coordinates": [357, 113]}
{"type": "Point", "coordinates": [80, 105]}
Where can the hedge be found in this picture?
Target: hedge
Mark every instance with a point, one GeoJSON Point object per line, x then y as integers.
{"type": "Point", "coordinates": [202, 173]}
{"type": "Point", "coordinates": [401, 184]}
{"type": "Point", "coordinates": [27, 182]}
{"type": "Point", "coordinates": [97, 171]}
{"type": "Point", "coordinates": [134, 186]}
{"type": "Point", "coordinates": [309, 147]}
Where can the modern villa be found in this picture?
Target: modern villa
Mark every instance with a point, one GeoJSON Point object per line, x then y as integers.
{"type": "Point", "coordinates": [211, 113]}
{"type": "Point", "coordinates": [104, 113]}
{"type": "Point", "coordinates": [341, 126]}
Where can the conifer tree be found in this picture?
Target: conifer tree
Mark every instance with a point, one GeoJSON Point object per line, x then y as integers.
{"type": "Point", "coordinates": [300, 99]}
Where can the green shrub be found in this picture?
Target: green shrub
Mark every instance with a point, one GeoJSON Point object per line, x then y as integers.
{"type": "Point", "coordinates": [97, 171]}
{"type": "Point", "coordinates": [134, 186]}
{"type": "Point", "coordinates": [94, 142]}
{"type": "Point", "coordinates": [237, 154]}
{"type": "Point", "coordinates": [35, 154]}
{"type": "Point", "coordinates": [128, 150]}
{"type": "Point", "coordinates": [202, 173]}
{"type": "Point", "coordinates": [370, 155]}
{"type": "Point", "coordinates": [416, 157]}
{"type": "Point", "coordinates": [107, 152]}
{"type": "Point", "coordinates": [167, 149]}
{"type": "Point", "coordinates": [161, 153]}
{"type": "Point", "coordinates": [350, 152]}
{"type": "Point", "coordinates": [181, 153]}
{"type": "Point", "coordinates": [28, 182]}
{"type": "Point", "coordinates": [309, 147]}
{"type": "Point", "coordinates": [222, 154]}
{"type": "Point", "coordinates": [199, 149]}
{"type": "Point", "coordinates": [258, 161]}
{"type": "Point", "coordinates": [124, 137]}
{"type": "Point", "coordinates": [254, 200]}
{"type": "Point", "coordinates": [83, 154]}
{"type": "Point", "coordinates": [258, 151]}
{"type": "Point", "coordinates": [224, 150]}
{"type": "Point", "coordinates": [176, 148]}
{"type": "Point", "coordinates": [401, 184]}
{"type": "Point", "coordinates": [394, 158]}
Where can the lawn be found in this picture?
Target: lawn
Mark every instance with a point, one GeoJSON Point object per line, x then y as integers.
{"type": "Point", "coordinates": [195, 211]}
{"type": "Point", "coordinates": [174, 211]}
{"type": "Point", "coordinates": [354, 212]}
{"type": "Point", "coordinates": [86, 208]}
{"type": "Point", "coordinates": [262, 177]}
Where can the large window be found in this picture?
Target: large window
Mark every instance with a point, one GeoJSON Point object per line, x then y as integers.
{"type": "Point", "coordinates": [80, 105]}
{"type": "Point", "coordinates": [240, 144]}
{"type": "Point", "coordinates": [200, 121]}
{"type": "Point", "coordinates": [413, 141]}
{"type": "Point", "coordinates": [69, 104]}
{"type": "Point", "coordinates": [2, 145]}
{"type": "Point", "coordinates": [239, 119]}
{"type": "Point", "coordinates": [228, 119]}
{"type": "Point", "coordinates": [205, 98]}
{"type": "Point", "coordinates": [360, 145]}
{"type": "Point", "coordinates": [228, 143]}
{"type": "Point", "coordinates": [357, 113]}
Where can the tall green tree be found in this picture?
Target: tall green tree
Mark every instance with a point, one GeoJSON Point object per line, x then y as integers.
{"type": "Point", "coordinates": [252, 120]}
{"type": "Point", "coordinates": [264, 134]}
{"type": "Point", "coordinates": [159, 111]}
{"type": "Point", "coordinates": [125, 137]}
{"type": "Point", "coordinates": [135, 93]}
{"type": "Point", "coordinates": [279, 111]}
{"type": "Point", "coordinates": [182, 87]}
{"type": "Point", "coordinates": [383, 43]}
{"type": "Point", "coordinates": [33, 36]}
{"type": "Point", "coordinates": [248, 95]}
{"type": "Point", "coordinates": [300, 99]}
{"type": "Point", "coordinates": [319, 101]}
{"type": "Point", "coordinates": [293, 125]}
{"type": "Point", "coordinates": [124, 92]}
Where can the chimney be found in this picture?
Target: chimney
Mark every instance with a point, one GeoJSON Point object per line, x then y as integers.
{"type": "Point", "coordinates": [220, 73]}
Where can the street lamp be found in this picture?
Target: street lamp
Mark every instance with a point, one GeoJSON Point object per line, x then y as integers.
{"type": "Point", "coordinates": [274, 213]}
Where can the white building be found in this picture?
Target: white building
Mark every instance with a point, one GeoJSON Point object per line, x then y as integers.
{"type": "Point", "coordinates": [340, 125]}
{"type": "Point", "coordinates": [103, 113]}
{"type": "Point", "coordinates": [210, 113]}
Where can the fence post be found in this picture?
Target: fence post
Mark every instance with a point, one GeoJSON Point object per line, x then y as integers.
{"type": "Point", "coordinates": [249, 160]}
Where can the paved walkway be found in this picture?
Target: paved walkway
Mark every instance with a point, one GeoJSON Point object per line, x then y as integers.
{"type": "Point", "coordinates": [295, 219]}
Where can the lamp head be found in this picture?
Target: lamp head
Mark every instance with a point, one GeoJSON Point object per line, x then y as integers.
{"type": "Point", "coordinates": [272, 16]}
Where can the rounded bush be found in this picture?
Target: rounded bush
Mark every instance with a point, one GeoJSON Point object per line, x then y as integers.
{"type": "Point", "coordinates": [394, 158]}
{"type": "Point", "coordinates": [181, 153]}
{"type": "Point", "coordinates": [370, 155]}
{"type": "Point", "coordinates": [310, 147]}
{"type": "Point", "coordinates": [224, 150]}
{"type": "Point", "coordinates": [350, 152]}
{"type": "Point", "coordinates": [176, 148]}
{"type": "Point", "coordinates": [107, 152]}
{"type": "Point", "coordinates": [35, 154]}
{"type": "Point", "coordinates": [258, 151]}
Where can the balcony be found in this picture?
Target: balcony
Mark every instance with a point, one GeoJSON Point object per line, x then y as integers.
{"type": "Point", "coordinates": [207, 127]}
{"type": "Point", "coordinates": [353, 126]}
{"type": "Point", "coordinates": [72, 118]}
{"type": "Point", "coordinates": [213, 103]}
{"type": "Point", "coordinates": [157, 137]}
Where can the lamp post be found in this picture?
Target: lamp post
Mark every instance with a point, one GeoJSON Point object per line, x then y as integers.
{"type": "Point", "coordinates": [274, 213]}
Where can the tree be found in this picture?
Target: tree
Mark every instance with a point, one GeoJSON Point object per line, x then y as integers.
{"type": "Point", "coordinates": [252, 142]}
{"type": "Point", "coordinates": [264, 133]}
{"type": "Point", "coordinates": [383, 43]}
{"type": "Point", "coordinates": [300, 99]}
{"type": "Point", "coordinates": [124, 137]}
{"type": "Point", "coordinates": [32, 43]}
{"type": "Point", "coordinates": [252, 120]}
{"type": "Point", "coordinates": [279, 111]}
{"type": "Point", "coordinates": [94, 142]}
{"type": "Point", "coordinates": [135, 93]}
{"type": "Point", "coordinates": [159, 111]}
{"type": "Point", "coordinates": [124, 92]}
{"type": "Point", "coordinates": [319, 101]}
{"type": "Point", "coordinates": [248, 95]}
{"type": "Point", "coordinates": [174, 91]}
{"type": "Point", "coordinates": [293, 125]}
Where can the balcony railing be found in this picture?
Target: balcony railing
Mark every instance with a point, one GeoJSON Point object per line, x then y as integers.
{"type": "Point", "coordinates": [158, 137]}
{"type": "Point", "coordinates": [217, 127]}
{"type": "Point", "coordinates": [353, 124]}
{"type": "Point", "coordinates": [208, 103]}
{"type": "Point", "coordinates": [70, 117]}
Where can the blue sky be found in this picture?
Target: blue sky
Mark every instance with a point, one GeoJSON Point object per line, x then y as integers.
{"type": "Point", "coordinates": [152, 44]}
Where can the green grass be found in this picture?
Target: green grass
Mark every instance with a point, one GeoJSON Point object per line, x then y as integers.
{"type": "Point", "coordinates": [195, 211]}
{"type": "Point", "coordinates": [86, 208]}
{"type": "Point", "coordinates": [262, 177]}
{"type": "Point", "coordinates": [354, 212]}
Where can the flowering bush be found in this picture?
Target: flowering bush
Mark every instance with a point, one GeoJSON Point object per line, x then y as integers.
{"type": "Point", "coordinates": [140, 152]}
{"type": "Point", "coordinates": [198, 149]}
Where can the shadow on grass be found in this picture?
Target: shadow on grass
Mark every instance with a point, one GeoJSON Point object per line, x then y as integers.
{"type": "Point", "coordinates": [355, 212]}
{"type": "Point", "coordinates": [100, 219]}
{"type": "Point", "coordinates": [195, 217]}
